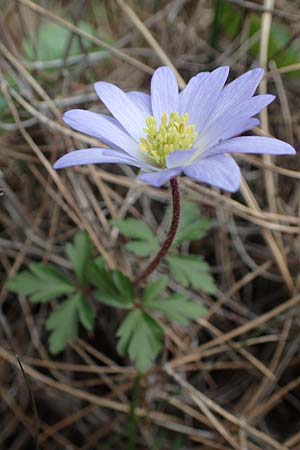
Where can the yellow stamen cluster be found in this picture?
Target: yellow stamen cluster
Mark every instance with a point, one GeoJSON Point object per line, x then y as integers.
{"type": "Point", "coordinates": [171, 136]}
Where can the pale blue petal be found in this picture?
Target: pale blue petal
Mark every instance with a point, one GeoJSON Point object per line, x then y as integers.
{"type": "Point", "coordinates": [142, 100]}
{"type": "Point", "coordinates": [219, 171]}
{"type": "Point", "coordinates": [164, 93]}
{"type": "Point", "coordinates": [159, 178]}
{"type": "Point", "coordinates": [191, 89]}
{"type": "Point", "coordinates": [128, 113]}
{"type": "Point", "coordinates": [180, 158]}
{"type": "Point", "coordinates": [204, 95]}
{"type": "Point", "coordinates": [250, 107]}
{"type": "Point", "coordinates": [95, 156]}
{"type": "Point", "coordinates": [252, 144]}
{"type": "Point", "coordinates": [246, 84]}
{"type": "Point", "coordinates": [233, 128]}
{"type": "Point", "coordinates": [239, 127]}
{"type": "Point", "coordinates": [104, 128]}
{"type": "Point", "coordinates": [236, 92]}
{"type": "Point", "coordinates": [219, 129]}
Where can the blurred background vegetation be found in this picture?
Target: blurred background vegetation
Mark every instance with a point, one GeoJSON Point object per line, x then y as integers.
{"type": "Point", "coordinates": [229, 381]}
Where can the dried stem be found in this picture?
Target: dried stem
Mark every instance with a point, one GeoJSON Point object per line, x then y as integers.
{"type": "Point", "coordinates": [171, 235]}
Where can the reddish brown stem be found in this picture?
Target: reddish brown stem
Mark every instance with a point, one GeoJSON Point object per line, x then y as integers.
{"type": "Point", "coordinates": [171, 235]}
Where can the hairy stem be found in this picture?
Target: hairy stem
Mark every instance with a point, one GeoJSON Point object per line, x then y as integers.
{"type": "Point", "coordinates": [171, 235]}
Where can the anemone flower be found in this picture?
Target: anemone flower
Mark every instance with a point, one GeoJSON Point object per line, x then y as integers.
{"type": "Point", "coordinates": [168, 133]}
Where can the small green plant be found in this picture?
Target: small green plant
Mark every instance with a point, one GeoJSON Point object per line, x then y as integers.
{"type": "Point", "coordinates": [140, 334]}
{"type": "Point", "coordinates": [188, 270]}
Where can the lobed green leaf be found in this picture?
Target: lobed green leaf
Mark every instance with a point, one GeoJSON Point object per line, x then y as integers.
{"type": "Point", "coordinates": [133, 228]}
{"type": "Point", "coordinates": [86, 314]}
{"type": "Point", "coordinates": [123, 285]}
{"type": "Point", "coordinates": [141, 337]}
{"type": "Point", "coordinates": [192, 271]}
{"type": "Point", "coordinates": [112, 288]}
{"type": "Point", "coordinates": [142, 248]}
{"type": "Point", "coordinates": [63, 321]}
{"type": "Point", "coordinates": [191, 226]}
{"type": "Point", "coordinates": [41, 283]}
{"type": "Point", "coordinates": [63, 324]}
{"type": "Point", "coordinates": [154, 289]}
{"type": "Point", "coordinates": [178, 308]}
{"type": "Point", "coordinates": [80, 254]}
{"type": "Point", "coordinates": [145, 242]}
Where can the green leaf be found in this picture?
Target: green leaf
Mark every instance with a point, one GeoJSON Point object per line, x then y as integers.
{"type": "Point", "coordinates": [123, 285]}
{"type": "Point", "coordinates": [117, 291]}
{"type": "Point", "coordinates": [178, 308]}
{"type": "Point", "coordinates": [86, 314]}
{"type": "Point", "coordinates": [112, 288]}
{"type": "Point", "coordinates": [96, 272]}
{"type": "Point", "coordinates": [41, 283]}
{"type": "Point", "coordinates": [24, 283]}
{"type": "Point", "coordinates": [63, 324]}
{"type": "Point", "coordinates": [133, 228]}
{"type": "Point", "coordinates": [141, 337]}
{"type": "Point", "coordinates": [63, 321]}
{"type": "Point", "coordinates": [145, 242]}
{"type": "Point", "coordinates": [142, 248]}
{"type": "Point", "coordinates": [191, 226]}
{"type": "Point", "coordinates": [112, 298]}
{"type": "Point", "coordinates": [100, 277]}
{"type": "Point", "coordinates": [191, 271]}
{"type": "Point", "coordinates": [51, 42]}
{"type": "Point", "coordinates": [80, 254]}
{"type": "Point", "coordinates": [154, 289]}
{"type": "Point", "coordinates": [126, 331]}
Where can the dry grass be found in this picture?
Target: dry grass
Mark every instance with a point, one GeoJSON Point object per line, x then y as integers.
{"type": "Point", "coordinates": [232, 380]}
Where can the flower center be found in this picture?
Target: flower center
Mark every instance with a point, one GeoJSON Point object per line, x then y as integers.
{"type": "Point", "coordinates": [172, 135]}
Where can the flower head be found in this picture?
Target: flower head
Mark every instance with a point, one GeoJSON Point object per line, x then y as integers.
{"type": "Point", "coordinates": [173, 133]}
{"type": "Point", "coordinates": [168, 133]}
